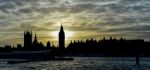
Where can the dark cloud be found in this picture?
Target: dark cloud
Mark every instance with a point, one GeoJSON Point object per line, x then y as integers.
{"type": "Point", "coordinates": [137, 28]}
{"type": "Point", "coordinates": [81, 7]}
{"type": "Point", "coordinates": [128, 18]}
{"type": "Point", "coordinates": [25, 10]}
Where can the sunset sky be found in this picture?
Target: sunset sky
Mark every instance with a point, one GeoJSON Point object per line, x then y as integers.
{"type": "Point", "coordinates": [81, 19]}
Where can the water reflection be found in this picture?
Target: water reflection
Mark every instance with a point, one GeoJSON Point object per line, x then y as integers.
{"type": "Point", "coordinates": [82, 63]}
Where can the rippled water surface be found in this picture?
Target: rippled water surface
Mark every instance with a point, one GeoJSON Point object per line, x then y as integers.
{"type": "Point", "coordinates": [81, 63]}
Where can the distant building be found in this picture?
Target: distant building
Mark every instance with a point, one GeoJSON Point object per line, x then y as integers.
{"type": "Point", "coordinates": [19, 46]}
{"type": "Point", "coordinates": [61, 38]}
{"type": "Point", "coordinates": [48, 45]}
{"type": "Point", "coordinates": [27, 39]}
{"type": "Point", "coordinates": [35, 42]}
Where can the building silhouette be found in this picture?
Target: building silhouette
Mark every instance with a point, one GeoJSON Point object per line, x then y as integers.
{"type": "Point", "coordinates": [61, 38]}
{"type": "Point", "coordinates": [89, 47]}
{"type": "Point", "coordinates": [27, 39]}
{"type": "Point", "coordinates": [48, 45]}
{"type": "Point", "coordinates": [35, 42]}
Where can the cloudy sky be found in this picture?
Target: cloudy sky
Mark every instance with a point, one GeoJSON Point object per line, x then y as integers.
{"type": "Point", "coordinates": [81, 19]}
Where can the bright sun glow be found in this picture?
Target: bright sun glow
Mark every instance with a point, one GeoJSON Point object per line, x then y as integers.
{"type": "Point", "coordinates": [68, 34]}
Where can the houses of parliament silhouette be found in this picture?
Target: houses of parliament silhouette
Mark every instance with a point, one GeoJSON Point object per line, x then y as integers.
{"type": "Point", "coordinates": [91, 47]}
{"type": "Point", "coordinates": [35, 45]}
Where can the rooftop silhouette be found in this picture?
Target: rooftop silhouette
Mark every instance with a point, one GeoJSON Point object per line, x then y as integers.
{"type": "Point", "coordinates": [91, 47]}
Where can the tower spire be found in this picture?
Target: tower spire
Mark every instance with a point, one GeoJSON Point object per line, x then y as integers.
{"type": "Point", "coordinates": [61, 38]}
{"type": "Point", "coordinates": [35, 38]}
{"type": "Point", "coordinates": [35, 42]}
{"type": "Point", "coordinates": [61, 28]}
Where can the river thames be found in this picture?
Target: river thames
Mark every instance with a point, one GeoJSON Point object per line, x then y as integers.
{"type": "Point", "coordinates": [81, 63]}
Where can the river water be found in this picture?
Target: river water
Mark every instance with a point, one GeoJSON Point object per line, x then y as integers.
{"type": "Point", "coordinates": [81, 63]}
